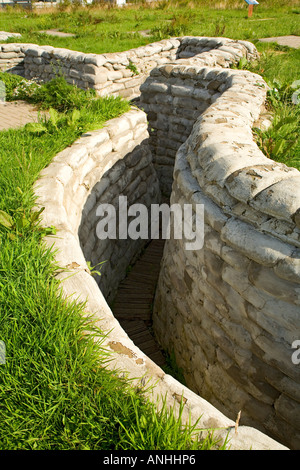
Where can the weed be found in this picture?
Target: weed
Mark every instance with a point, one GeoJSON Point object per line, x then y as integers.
{"type": "Point", "coordinates": [26, 90]}
{"type": "Point", "coordinates": [162, 430]}
{"type": "Point", "coordinates": [242, 64]}
{"type": "Point", "coordinates": [93, 270]}
{"type": "Point", "coordinates": [60, 95]}
{"type": "Point", "coordinates": [172, 368]}
{"type": "Point", "coordinates": [178, 26]}
{"type": "Point", "coordinates": [131, 66]}
{"type": "Point", "coordinates": [281, 141]}
{"type": "Point", "coordinates": [220, 29]}
{"type": "Point", "coordinates": [11, 82]}
{"type": "Point", "coordinates": [21, 224]}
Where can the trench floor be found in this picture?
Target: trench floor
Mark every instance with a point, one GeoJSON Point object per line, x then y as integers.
{"type": "Point", "coordinates": [133, 303]}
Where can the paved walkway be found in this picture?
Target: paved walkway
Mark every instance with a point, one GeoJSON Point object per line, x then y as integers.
{"type": "Point", "coordinates": [16, 114]}
{"type": "Point", "coordinates": [56, 32]}
{"type": "Point", "coordinates": [290, 41]}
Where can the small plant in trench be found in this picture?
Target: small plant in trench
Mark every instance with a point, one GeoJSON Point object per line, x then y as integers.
{"type": "Point", "coordinates": [95, 270]}
{"type": "Point", "coordinates": [131, 66]}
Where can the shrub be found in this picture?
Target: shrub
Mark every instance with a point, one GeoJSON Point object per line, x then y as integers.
{"type": "Point", "coordinates": [60, 95]}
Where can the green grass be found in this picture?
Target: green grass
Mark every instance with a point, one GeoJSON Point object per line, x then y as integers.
{"type": "Point", "coordinates": [281, 142]}
{"type": "Point", "coordinates": [101, 30]}
{"type": "Point", "coordinates": [280, 69]}
{"type": "Point", "coordinates": [56, 392]}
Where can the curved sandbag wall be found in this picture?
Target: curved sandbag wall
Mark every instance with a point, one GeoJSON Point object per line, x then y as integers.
{"type": "Point", "coordinates": [229, 310]}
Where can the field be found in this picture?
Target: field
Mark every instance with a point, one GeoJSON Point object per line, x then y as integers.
{"type": "Point", "coordinates": [102, 29]}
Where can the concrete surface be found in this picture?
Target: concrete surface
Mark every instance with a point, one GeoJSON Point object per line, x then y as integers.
{"type": "Point", "coordinates": [290, 41]}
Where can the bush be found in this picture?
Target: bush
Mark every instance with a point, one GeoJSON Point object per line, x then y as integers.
{"type": "Point", "coordinates": [62, 96]}
{"type": "Point", "coordinates": [56, 93]}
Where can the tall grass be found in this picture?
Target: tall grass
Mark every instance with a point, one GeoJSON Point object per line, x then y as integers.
{"type": "Point", "coordinates": [279, 66]}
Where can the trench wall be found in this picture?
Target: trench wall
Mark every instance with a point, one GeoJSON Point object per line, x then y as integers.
{"type": "Point", "coordinates": [230, 311]}
{"type": "Point", "coordinates": [117, 73]}
{"type": "Point", "coordinates": [174, 96]}
{"type": "Point", "coordinates": [97, 169]}
{"type": "Point", "coordinates": [133, 176]}
{"type": "Point", "coordinates": [67, 189]}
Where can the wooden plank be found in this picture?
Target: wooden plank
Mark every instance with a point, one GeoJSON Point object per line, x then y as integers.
{"type": "Point", "coordinates": [143, 336]}
{"type": "Point", "coordinates": [132, 308]}
{"type": "Point", "coordinates": [133, 316]}
{"type": "Point", "coordinates": [148, 347]}
{"type": "Point", "coordinates": [125, 306]}
{"type": "Point", "coordinates": [129, 283]}
{"type": "Point", "coordinates": [142, 274]}
{"type": "Point", "coordinates": [133, 303]}
{"type": "Point", "coordinates": [133, 327]}
{"type": "Point", "coordinates": [130, 314]}
{"type": "Point", "coordinates": [131, 296]}
{"type": "Point", "coordinates": [141, 302]}
{"type": "Point", "coordinates": [133, 312]}
{"type": "Point", "coordinates": [135, 282]}
{"type": "Point", "coordinates": [158, 358]}
{"type": "Point", "coordinates": [128, 296]}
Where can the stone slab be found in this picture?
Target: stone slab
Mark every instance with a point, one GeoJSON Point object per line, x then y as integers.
{"type": "Point", "coordinates": [290, 41]}
{"type": "Point", "coordinates": [56, 32]}
{"type": "Point", "coordinates": [4, 35]}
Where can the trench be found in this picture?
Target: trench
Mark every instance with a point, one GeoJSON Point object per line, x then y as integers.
{"type": "Point", "coordinates": [133, 303]}
{"type": "Point", "coordinates": [129, 277]}
{"type": "Point", "coordinates": [187, 109]}
{"type": "Point", "coordinates": [130, 269]}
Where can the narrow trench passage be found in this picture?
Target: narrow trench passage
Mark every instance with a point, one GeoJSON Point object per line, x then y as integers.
{"type": "Point", "coordinates": [134, 300]}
